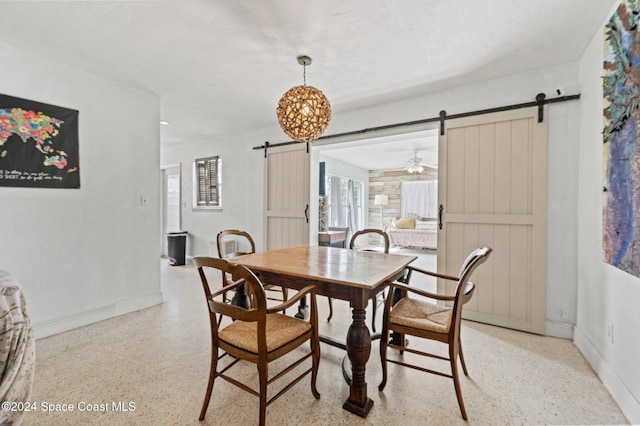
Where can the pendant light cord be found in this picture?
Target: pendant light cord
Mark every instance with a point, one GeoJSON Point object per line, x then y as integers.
{"type": "Point", "coordinates": [304, 73]}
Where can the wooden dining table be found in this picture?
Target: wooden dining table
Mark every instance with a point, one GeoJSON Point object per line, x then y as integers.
{"type": "Point", "coordinates": [354, 276]}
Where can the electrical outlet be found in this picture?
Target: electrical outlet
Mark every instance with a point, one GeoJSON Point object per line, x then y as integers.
{"type": "Point", "coordinates": [564, 314]}
{"type": "Point", "coordinates": [610, 332]}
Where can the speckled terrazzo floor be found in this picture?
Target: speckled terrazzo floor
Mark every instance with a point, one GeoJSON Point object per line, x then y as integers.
{"type": "Point", "coordinates": [158, 359]}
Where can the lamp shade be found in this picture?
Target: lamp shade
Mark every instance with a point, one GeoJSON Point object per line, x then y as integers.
{"type": "Point", "coordinates": [381, 200]}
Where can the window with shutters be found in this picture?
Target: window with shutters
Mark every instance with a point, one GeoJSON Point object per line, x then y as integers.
{"type": "Point", "coordinates": [207, 178]}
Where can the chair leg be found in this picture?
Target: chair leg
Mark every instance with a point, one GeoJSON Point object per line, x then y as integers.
{"type": "Point", "coordinates": [262, 373]}
{"type": "Point", "coordinates": [384, 341]}
{"type": "Point", "coordinates": [212, 377]}
{"type": "Point", "coordinates": [330, 309]}
{"type": "Point", "coordinates": [456, 381]}
{"type": "Point", "coordinates": [464, 366]}
{"type": "Point", "coordinates": [378, 299]}
{"type": "Point", "coordinates": [285, 297]}
{"type": "Point", "coordinates": [315, 358]}
{"type": "Point", "coordinates": [374, 300]}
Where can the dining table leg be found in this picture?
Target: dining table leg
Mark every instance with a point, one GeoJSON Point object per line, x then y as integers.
{"type": "Point", "coordinates": [241, 298]}
{"type": "Point", "coordinates": [358, 350]}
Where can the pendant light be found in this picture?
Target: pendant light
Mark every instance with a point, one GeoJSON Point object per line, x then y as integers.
{"type": "Point", "coordinates": [304, 111]}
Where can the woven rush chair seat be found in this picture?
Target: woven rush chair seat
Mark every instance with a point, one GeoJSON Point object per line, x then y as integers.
{"type": "Point", "coordinates": [422, 315]}
{"type": "Point", "coordinates": [280, 330]}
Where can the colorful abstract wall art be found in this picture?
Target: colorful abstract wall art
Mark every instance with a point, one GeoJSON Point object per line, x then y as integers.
{"type": "Point", "coordinates": [38, 144]}
{"type": "Point", "coordinates": [621, 89]}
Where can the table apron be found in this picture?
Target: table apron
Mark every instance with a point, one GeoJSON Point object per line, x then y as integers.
{"type": "Point", "coordinates": [355, 295]}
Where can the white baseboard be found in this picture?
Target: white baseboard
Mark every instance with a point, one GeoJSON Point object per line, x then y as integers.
{"type": "Point", "coordinates": [559, 329]}
{"type": "Point", "coordinates": [618, 390]}
{"type": "Point", "coordinates": [49, 328]}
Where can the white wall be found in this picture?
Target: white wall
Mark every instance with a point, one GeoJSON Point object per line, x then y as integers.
{"type": "Point", "coordinates": [606, 295]}
{"type": "Point", "coordinates": [242, 187]}
{"type": "Point", "coordinates": [340, 168]}
{"type": "Point", "coordinates": [87, 254]}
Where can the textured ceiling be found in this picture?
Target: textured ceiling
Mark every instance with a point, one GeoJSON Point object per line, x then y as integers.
{"type": "Point", "coordinates": [222, 65]}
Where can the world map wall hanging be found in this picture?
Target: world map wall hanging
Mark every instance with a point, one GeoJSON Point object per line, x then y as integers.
{"type": "Point", "coordinates": [38, 144]}
{"type": "Point", "coordinates": [621, 90]}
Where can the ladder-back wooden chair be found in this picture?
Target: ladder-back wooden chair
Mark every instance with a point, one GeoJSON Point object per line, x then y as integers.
{"type": "Point", "coordinates": [427, 320]}
{"type": "Point", "coordinates": [361, 241]}
{"type": "Point", "coordinates": [233, 243]}
{"type": "Point", "coordinates": [258, 334]}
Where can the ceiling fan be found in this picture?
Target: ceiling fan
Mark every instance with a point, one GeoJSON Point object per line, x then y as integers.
{"type": "Point", "coordinates": [416, 165]}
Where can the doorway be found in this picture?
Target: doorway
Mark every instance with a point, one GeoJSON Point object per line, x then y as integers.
{"type": "Point", "coordinates": [171, 203]}
{"type": "Point", "coordinates": [383, 164]}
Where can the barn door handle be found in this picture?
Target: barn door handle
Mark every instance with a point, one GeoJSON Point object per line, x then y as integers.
{"type": "Point", "coordinates": [440, 216]}
{"type": "Point", "coordinates": [306, 213]}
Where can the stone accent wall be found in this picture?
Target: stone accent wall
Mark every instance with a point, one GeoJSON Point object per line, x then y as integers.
{"type": "Point", "coordinates": [389, 182]}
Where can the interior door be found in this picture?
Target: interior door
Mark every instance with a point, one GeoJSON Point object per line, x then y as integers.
{"type": "Point", "coordinates": [492, 189]}
{"type": "Point", "coordinates": [171, 203]}
{"type": "Point", "coordinates": [287, 198]}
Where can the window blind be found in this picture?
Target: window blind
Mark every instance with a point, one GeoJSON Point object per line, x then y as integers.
{"type": "Point", "coordinates": [207, 180]}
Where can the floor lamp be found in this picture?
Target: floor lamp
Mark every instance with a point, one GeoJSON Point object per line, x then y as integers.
{"type": "Point", "coordinates": [381, 200]}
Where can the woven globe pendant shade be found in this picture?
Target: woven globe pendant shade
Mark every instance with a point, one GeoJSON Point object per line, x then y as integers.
{"type": "Point", "coordinates": [304, 112]}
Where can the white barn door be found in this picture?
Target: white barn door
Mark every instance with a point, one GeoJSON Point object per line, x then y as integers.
{"type": "Point", "coordinates": [287, 196]}
{"type": "Point", "coordinates": [492, 188]}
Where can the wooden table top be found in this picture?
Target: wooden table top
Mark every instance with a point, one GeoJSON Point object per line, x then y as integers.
{"type": "Point", "coordinates": [329, 264]}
